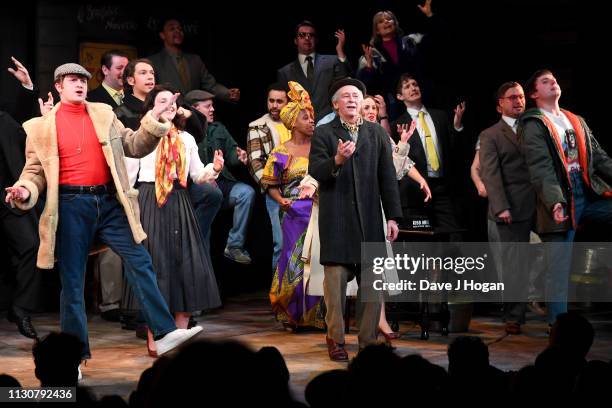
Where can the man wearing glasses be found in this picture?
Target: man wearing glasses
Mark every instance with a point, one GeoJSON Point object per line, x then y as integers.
{"type": "Point", "coordinates": [315, 72]}
{"type": "Point", "coordinates": [572, 177]}
{"type": "Point", "coordinates": [511, 196]}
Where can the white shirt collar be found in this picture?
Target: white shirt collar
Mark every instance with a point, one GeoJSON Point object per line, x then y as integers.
{"type": "Point", "coordinates": [512, 122]}
{"type": "Point", "coordinates": [302, 58]}
{"type": "Point", "coordinates": [415, 112]}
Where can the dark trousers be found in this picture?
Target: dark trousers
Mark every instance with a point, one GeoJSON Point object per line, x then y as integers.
{"type": "Point", "coordinates": [514, 256]}
{"type": "Point", "coordinates": [20, 235]}
{"type": "Point", "coordinates": [443, 210]}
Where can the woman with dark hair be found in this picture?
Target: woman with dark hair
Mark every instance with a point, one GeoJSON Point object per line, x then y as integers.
{"type": "Point", "coordinates": [184, 272]}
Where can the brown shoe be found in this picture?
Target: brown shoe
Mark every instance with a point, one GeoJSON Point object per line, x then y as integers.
{"type": "Point", "coordinates": [513, 328]}
{"type": "Point", "coordinates": [336, 351]}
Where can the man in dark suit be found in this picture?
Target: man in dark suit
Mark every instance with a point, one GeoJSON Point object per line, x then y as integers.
{"type": "Point", "coordinates": [511, 197]}
{"type": "Point", "coordinates": [315, 72]}
{"type": "Point", "coordinates": [431, 152]}
{"type": "Point", "coordinates": [185, 71]}
{"type": "Point", "coordinates": [19, 230]}
{"type": "Point", "coordinates": [110, 91]}
{"type": "Point", "coordinates": [351, 160]}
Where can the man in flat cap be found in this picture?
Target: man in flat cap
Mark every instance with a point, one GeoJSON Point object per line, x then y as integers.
{"type": "Point", "coordinates": [75, 152]}
{"type": "Point", "coordinates": [236, 194]}
{"type": "Point", "coordinates": [351, 160]}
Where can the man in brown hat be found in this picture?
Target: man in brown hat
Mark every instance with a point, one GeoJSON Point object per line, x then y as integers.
{"type": "Point", "coordinates": [76, 153]}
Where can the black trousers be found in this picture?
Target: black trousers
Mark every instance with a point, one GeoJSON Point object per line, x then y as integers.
{"type": "Point", "coordinates": [518, 231]}
{"type": "Point", "coordinates": [20, 235]}
{"type": "Point", "coordinates": [443, 210]}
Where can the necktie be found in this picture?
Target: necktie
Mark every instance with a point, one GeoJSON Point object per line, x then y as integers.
{"type": "Point", "coordinates": [182, 70]}
{"type": "Point", "coordinates": [309, 68]}
{"type": "Point", "coordinates": [432, 154]}
{"type": "Point", "coordinates": [118, 98]}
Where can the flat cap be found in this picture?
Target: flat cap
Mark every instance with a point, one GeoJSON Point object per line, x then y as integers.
{"type": "Point", "coordinates": [70, 68]}
{"type": "Point", "coordinates": [198, 95]}
{"type": "Point", "coordinates": [344, 82]}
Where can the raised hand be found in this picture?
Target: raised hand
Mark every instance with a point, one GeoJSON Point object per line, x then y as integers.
{"type": "Point", "coordinates": [341, 41]}
{"type": "Point", "coordinates": [163, 105]}
{"type": "Point", "coordinates": [218, 161]}
{"type": "Point", "coordinates": [381, 105]}
{"type": "Point", "coordinates": [426, 8]}
{"type": "Point", "coordinates": [459, 111]}
{"type": "Point", "coordinates": [345, 150]}
{"type": "Point", "coordinates": [47, 105]}
{"type": "Point", "coordinates": [21, 73]}
{"type": "Point", "coordinates": [242, 155]}
{"type": "Point", "coordinates": [367, 53]}
{"type": "Point", "coordinates": [185, 113]}
{"type": "Point", "coordinates": [406, 131]}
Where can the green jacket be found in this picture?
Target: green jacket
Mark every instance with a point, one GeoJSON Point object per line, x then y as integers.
{"type": "Point", "coordinates": [219, 138]}
{"type": "Point", "coordinates": [548, 173]}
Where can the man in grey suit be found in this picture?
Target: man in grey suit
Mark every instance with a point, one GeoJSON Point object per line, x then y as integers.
{"type": "Point", "coordinates": [511, 196]}
{"type": "Point", "coordinates": [315, 72]}
{"type": "Point", "coordinates": [183, 70]}
{"type": "Point", "coordinates": [351, 160]}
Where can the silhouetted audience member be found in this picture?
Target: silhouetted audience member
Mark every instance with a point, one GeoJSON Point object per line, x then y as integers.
{"type": "Point", "coordinates": [57, 358]}
{"type": "Point", "coordinates": [329, 389]}
{"type": "Point", "coordinates": [217, 371]}
{"type": "Point", "coordinates": [423, 377]}
{"type": "Point", "coordinates": [470, 372]}
{"type": "Point", "coordinates": [573, 333]}
{"type": "Point", "coordinates": [112, 401]}
{"type": "Point", "coordinates": [9, 381]}
{"type": "Point", "coordinates": [593, 383]}
{"type": "Point", "coordinates": [374, 377]}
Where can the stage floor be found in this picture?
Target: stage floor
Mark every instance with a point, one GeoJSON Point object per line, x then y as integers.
{"type": "Point", "coordinates": [119, 357]}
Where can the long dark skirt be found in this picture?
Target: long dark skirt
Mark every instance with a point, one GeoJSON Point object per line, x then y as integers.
{"type": "Point", "coordinates": [184, 271]}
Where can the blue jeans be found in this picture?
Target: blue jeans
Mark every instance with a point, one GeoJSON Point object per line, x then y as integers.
{"type": "Point", "coordinates": [206, 199]}
{"type": "Point", "coordinates": [82, 217]}
{"type": "Point", "coordinates": [241, 198]}
{"type": "Point", "coordinates": [559, 257]}
{"type": "Point", "coordinates": [277, 233]}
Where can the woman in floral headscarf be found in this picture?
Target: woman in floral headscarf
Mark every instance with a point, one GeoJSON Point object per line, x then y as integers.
{"type": "Point", "coordinates": [284, 172]}
{"type": "Point", "coordinates": [184, 272]}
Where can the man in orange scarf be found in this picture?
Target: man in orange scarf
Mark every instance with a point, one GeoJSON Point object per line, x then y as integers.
{"type": "Point", "coordinates": [572, 177]}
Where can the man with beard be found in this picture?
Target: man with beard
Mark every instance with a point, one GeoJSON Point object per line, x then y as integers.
{"type": "Point", "coordinates": [264, 135]}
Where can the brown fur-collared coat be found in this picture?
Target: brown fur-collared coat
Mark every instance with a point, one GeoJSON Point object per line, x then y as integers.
{"type": "Point", "coordinates": [41, 170]}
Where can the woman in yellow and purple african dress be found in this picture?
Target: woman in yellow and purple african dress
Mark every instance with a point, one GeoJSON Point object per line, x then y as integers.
{"type": "Point", "coordinates": [286, 167]}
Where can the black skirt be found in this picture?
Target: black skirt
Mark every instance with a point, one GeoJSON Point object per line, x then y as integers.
{"type": "Point", "coordinates": [184, 271]}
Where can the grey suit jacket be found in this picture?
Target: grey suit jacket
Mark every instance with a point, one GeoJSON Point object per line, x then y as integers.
{"type": "Point", "coordinates": [327, 69]}
{"type": "Point", "coordinates": [505, 174]}
{"type": "Point", "coordinates": [166, 71]}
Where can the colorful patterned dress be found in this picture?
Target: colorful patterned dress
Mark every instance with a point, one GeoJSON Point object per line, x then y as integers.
{"type": "Point", "coordinates": [288, 295]}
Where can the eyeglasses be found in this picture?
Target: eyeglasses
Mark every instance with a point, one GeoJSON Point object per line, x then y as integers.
{"type": "Point", "coordinates": [306, 35]}
{"type": "Point", "coordinates": [514, 97]}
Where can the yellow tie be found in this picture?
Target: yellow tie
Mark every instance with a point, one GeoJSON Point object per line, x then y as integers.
{"type": "Point", "coordinates": [432, 155]}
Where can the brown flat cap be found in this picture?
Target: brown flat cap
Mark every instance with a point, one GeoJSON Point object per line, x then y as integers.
{"type": "Point", "coordinates": [198, 95]}
{"type": "Point", "coordinates": [70, 68]}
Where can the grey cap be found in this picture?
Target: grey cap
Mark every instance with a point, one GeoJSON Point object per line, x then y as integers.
{"type": "Point", "coordinates": [198, 95]}
{"type": "Point", "coordinates": [70, 68]}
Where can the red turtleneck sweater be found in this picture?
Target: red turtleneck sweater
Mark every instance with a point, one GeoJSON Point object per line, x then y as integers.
{"type": "Point", "coordinates": [82, 162]}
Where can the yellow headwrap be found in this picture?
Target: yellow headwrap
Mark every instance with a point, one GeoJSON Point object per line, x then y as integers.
{"type": "Point", "coordinates": [299, 100]}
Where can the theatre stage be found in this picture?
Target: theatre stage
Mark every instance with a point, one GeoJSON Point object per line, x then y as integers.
{"type": "Point", "coordinates": [119, 357]}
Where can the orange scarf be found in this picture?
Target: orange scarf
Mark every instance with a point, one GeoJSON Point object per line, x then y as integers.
{"type": "Point", "coordinates": [169, 165]}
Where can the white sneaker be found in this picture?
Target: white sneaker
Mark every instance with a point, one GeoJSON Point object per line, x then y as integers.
{"type": "Point", "coordinates": [175, 338]}
{"type": "Point", "coordinates": [80, 377]}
